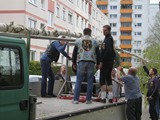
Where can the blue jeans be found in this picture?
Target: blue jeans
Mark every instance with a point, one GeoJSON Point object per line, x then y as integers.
{"type": "Point", "coordinates": [152, 109]}
{"type": "Point", "coordinates": [83, 67]}
{"type": "Point", "coordinates": [47, 72]}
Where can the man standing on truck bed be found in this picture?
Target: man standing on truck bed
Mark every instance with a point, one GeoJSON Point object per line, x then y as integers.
{"type": "Point", "coordinates": [51, 54]}
{"type": "Point", "coordinates": [85, 55]}
{"type": "Point", "coordinates": [106, 64]}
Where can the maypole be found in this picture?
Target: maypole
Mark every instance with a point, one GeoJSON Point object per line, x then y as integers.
{"type": "Point", "coordinates": [47, 34]}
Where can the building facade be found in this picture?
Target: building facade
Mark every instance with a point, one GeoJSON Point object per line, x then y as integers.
{"type": "Point", "coordinates": [129, 21]}
{"type": "Point", "coordinates": [66, 15]}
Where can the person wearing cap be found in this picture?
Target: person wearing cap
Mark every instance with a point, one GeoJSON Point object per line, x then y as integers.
{"type": "Point", "coordinates": [51, 54]}
{"type": "Point", "coordinates": [133, 94]}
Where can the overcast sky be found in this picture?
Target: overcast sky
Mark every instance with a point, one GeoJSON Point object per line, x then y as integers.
{"type": "Point", "coordinates": [154, 1]}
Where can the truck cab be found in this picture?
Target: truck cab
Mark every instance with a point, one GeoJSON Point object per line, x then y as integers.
{"type": "Point", "coordinates": [14, 92]}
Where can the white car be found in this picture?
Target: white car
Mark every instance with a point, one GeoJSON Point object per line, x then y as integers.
{"type": "Point", "coordinates": [35, 78]}
{"type": "Point", "coordinates": [35, 85]}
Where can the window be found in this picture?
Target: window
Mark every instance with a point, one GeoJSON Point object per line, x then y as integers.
{"type": "Point", "coordinates": [50, 18]}
{"type": "Point", "coordinates": [77, 2]}
{"type": "Point", "coordinates": [137, 51]}
{"type": "Point", "coordinates": [138, 15]}
{"type": "Point", "coordinates": [70, 17]}
{"type": "Point", "coordinates": [93, 30]}
{"type": "Point", "coordinates": [71, 0]}
{"type": "Point", "coordinates": [113, 24]}
{"type": "Point", "coordinates": [126, 24]}
{"type": "Point", "coordinates": [127, 42]}
{"type": "Point", "coordinates": [113, 15]}
{"type": "Point", "coordinates": [137, 43]}
{"type": "Point", "coordinates": [77, 22]}
{"type": "Point", "coordinates": [86, 24]}
{"type": "Point", "coordinates": [64, 14]}
{"type": "Point", "coordinates": [114, 33]}
{"type": "Point", "coordinates": [126, 59]}
{"type": "Point", "coordinates": [42, 25]}
{"type": "Point", "coordinates": [126, 33]}
{"type": "Point", "coordinates": [126, 15]}
{"type": "Point", "coordinates": [127, 49]}
{"type": "Point", "coordinates": [32, 23]}
{"type": "Point", "coordinates": [94, 14]}
{"type": "Point", "coordinates": [33, 1]}
{"type": "Point", "coordinates": [102, 7]}
{"type": "Point", "coordinates": [82, 4]}
{"type": "Point", "coordinates": [57, 11]}
{"type": "Point", "coordinates": [85, 6]}
{"type": "Point", "coordinates": [32, 55]}
{"type": "Point", "coordinates": [82, 23]}
{"type": "Point", "coordinates": [138, 7]}
{"type": "Point", "coordinates": [138, 24]}
{"type": "Point", "coordinates": [126, 6]}
{"type": "Point", "coordinates": [10, 68]}
{"type": "Point", "coordinates": [114, 7]}
{"type": "Point", "coordinates": [43, 3]}
{"type": "Point", "coordinates": [137, 33]}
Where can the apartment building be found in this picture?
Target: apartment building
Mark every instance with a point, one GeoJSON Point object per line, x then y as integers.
{"type": "Point", "coordinates": [29, 13]}
{"type": "Point", "coordinates": [66, 15]}
{"type": "Point", "coordinates": [129, 21]}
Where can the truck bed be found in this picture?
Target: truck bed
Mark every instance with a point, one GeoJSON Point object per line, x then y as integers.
{"type": "Point", "coordinates": [55, 109]}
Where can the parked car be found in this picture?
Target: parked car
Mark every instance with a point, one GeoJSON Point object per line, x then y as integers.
{"type": "Point", "coordinates": [35, 85]}
{"type": "Point", "coordinates": [35, 78]}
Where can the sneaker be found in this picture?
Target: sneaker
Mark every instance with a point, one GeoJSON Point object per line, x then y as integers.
{"type": "Point", "coordinates": [97, 99]}
{"type": "Point", "coordinates": [50, 96]}
{"type": "Point", "coordinates": [110, 100]}
{"type": "Point", "coordinates": [75, 102]}
{"type": "Point", "coordinates": [88, 102]}
{"type": "Point", "coordinates": [102, 101]}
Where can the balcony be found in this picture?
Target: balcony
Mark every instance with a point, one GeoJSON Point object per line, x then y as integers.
{"type": "Point", "coordinates": [126, 19]}
{"type": "Point", "coordinates": [126, 64]}
{"type": "Point", "coordinates": [105, 2]}
{"type": "Point", "coordinates": [125, 46]}
{"type": "Point", "coordinates": [126, 28]}
{"type": "Point", "coordinates": [129, 37]}
{"type": "Point", "coordinates": [126, 1]}
{"type": "Point", "coordinates": [126, 10]}
{"type": "Point", "coordinates": [125, 55]}
{"type": "Point", "coordinates": [104, 11]}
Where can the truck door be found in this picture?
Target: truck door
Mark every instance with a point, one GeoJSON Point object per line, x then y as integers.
{"type": "Point", "coordinates": [13, 81]}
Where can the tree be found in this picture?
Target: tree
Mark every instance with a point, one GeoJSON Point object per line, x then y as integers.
{"type": "Point", "coordinates": [151, 53]}
{"type": "Point", "coordinates": [117, 60]}
{"type": "Point", "coordinates": [154, 34]}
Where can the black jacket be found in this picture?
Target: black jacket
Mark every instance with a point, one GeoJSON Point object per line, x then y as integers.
{"type": "Point", "coordinates": [107, 49]}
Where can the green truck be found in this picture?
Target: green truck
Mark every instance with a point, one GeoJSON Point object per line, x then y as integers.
{"type": "Point", "coordinates": [16, 103]}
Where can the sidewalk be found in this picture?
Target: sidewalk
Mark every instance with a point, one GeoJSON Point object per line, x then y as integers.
{"type": "Point", "coordinates": [145, 112]}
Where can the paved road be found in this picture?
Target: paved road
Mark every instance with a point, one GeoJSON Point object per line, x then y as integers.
{"type": "Point", "coordinates": [145, 113]}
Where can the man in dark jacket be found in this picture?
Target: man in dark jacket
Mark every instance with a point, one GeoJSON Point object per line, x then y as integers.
{"type": "Point", "coordinates": [152, 92]}
{"type": "Point", "coordinates": [51, 54]}
{"type": "Point", "coordinates": [106, 64]}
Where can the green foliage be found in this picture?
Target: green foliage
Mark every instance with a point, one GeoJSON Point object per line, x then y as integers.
{"type": "Point", "coordinates": [152, 55]}
{"type": "Point", "coordinates": [35, 68]}
{"type": "Point", "coordinates": [117, 60]}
